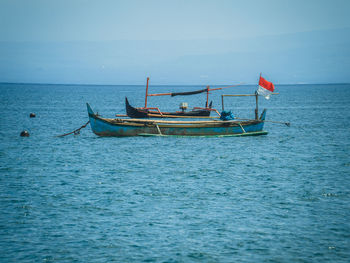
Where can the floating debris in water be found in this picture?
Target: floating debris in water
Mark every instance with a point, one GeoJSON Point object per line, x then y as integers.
{"type": "Point", "coordinates": [24, 134]}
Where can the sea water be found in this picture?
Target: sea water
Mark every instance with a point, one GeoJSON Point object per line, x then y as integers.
{"type": "Point", "coordinates": [282, 197]}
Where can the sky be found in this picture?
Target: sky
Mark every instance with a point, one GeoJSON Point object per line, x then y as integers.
{"type": "Point", "coordinates": [174, 42]}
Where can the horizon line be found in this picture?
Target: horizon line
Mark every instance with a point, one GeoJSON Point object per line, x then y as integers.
{"type": "Point", "coordinates": [170, 40]}
{"type": "Point", "coordinates": [89, 84]}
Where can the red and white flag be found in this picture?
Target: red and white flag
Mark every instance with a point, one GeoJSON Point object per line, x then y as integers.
{"type": "Point", "coordinates": [265, 88]}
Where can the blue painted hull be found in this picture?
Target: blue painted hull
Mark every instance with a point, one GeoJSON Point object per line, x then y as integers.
{"type": "Point", "coordinates": [130, 127]}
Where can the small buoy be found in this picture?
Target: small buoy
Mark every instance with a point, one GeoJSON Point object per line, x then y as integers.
{"type": "Point", "coordinates": [25, 134]}
{"type": "Point", "coordinates": [32, 115]}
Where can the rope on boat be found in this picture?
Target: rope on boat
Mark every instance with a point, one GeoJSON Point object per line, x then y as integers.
{"type": "Point", "coordinates": [75, 132]}
{"type": "Point", "coordinates": [279, 122]}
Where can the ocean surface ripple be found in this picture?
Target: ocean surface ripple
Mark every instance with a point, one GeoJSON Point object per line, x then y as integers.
{"type": "Point", "coordinates": [283, 197]}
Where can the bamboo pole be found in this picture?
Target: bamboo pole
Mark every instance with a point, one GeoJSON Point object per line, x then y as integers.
{"type": "Point", "coordinates": [227, 87]}
{"type": "Point", "coordinates": [236, 120]}
{"type": "Point", "coordinates": [207, 88]}
{"type": "Point", "coordinates": [178, 116]}
{"type": "Point", "coordinates": [243, 95]}
{"type": "Point", "coordinates": [168, 122]}
{"type": "Point", "coordinates": [209, 117]}
{"type": "Point", "coordinates": [222, 102]}
{"type": "Point", "coordinates": [243, 130]}
{"type": "Point", "coordinates": [256, 107]}
{"type": "Point", "coordinates": [146, 93]}
{"type": "Point", "coordinates": [206, 104]}
{"type": "Point", "coordinates": [256, 100]}
{"type": "Point", "coordinates": [159, 94]}
{"type": "Point", "coordinates": [173, 116]}
{"type": "Point", "coordinates": [160, 133]}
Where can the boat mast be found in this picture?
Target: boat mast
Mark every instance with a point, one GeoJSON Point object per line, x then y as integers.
{"type": "Point", "coordinates": [206, 104]}
{"type": "Point", "coordinates": [146, 93]}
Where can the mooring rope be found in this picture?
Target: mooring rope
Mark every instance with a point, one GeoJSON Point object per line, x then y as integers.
{"type": "Point", "coordinates": [75, 132]}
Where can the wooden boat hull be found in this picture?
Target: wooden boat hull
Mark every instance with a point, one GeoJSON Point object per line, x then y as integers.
{"type": "Point", "coordinates": [136, 127]}
{"type": "Point", "coordinates": [133, 112]}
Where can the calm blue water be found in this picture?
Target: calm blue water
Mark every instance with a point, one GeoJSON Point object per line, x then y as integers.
{"type": "Point", "coordinates": [283, 197]}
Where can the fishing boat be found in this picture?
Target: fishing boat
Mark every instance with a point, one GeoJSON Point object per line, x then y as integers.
{"type": "Point", "coordinates": [120, 127]}
{"type": "Point", "coordinates": [227, 125]}
{"type": "Point", "coordinates": [154, 112]}
{"type": "Point", "coordinates": [133, 112]}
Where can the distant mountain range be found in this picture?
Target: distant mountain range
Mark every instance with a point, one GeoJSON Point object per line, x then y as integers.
{"type": "Point", "coordinates": [308, 57]}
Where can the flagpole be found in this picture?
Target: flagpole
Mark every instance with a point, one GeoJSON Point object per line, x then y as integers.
{"type": "Point", "coordinates": [257, 101]}
{"type": "Point", "coordinates": [256, 109]}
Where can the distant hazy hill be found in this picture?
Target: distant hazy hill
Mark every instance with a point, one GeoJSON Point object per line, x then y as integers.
{"type": "Point", "coordinates": [310, 57]}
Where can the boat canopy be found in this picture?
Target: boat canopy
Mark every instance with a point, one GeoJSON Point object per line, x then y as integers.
{"type": "Point", "coordinates": [188, 92]}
